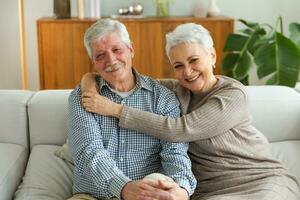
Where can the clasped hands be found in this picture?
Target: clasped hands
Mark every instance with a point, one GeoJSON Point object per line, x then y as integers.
{"type": "Point", "coordinates": [153, 190]}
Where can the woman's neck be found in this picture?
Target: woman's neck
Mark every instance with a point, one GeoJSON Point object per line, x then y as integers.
{"type": "Point", "coordinates": [208, 86]}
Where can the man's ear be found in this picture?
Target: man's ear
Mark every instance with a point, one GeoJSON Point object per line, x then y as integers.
{"type": "Point", "coordinates": [131, 50]}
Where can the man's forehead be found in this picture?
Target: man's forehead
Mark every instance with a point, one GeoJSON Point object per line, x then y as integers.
{"type": "Point", "coordinates": [111, 39]}
{"type": "Point", "coordinates": [100, 44]}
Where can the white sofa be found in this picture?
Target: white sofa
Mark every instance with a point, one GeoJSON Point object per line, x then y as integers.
{"type": "Point", "coordinates": [13, 140]}
{"type": "Point", "coordinates": [275, 110]}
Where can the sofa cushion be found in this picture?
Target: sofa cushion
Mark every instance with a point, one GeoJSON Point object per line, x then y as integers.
{"type": "Point", "coordinates": [47, 113]}
{"type": "Point", "coordinates": [47, 177]}
{"type": "Point", "coordinates": [13, 116]}
{"type": "Point", "coordinates": [288, 153]}
{"type": "Point", "coordinates": [275, 111]}
{"type": "Point", "coordinates": [12, 166]}
{"type": "Point", "coordinates": [64, 153]}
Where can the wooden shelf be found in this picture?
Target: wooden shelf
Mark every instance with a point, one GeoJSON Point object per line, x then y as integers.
{"type": "Point", "coordinates": [63, 59]}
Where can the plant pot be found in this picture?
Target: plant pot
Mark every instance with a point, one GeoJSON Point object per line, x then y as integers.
{"type": "Point", "coordinates": [162, 8]}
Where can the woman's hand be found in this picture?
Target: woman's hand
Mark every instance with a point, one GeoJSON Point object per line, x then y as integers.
{"type": "Point", "coordinates": [88, 83]}
{"type": "Point", "coordinates": [94, 102]}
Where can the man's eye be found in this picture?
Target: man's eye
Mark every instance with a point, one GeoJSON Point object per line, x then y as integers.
{"type": "Point", "coordinates": [99, 56]}
{"type": "Point", "coordinates": [117, 50]}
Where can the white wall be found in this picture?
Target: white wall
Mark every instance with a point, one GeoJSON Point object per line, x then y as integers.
{"type": "Point", "coordinates": [10, 74]}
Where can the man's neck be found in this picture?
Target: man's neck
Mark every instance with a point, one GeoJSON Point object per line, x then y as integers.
{"type": "Point", "coordinates": [124, 86]}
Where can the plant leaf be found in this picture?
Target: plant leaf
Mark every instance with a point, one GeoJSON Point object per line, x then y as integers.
{"type": "Point", "coordinates": [282, 63]}
{"type": "Point", "coordinates": [245, 80]}
{"type": "Point", "coordinates": [252, 25]}
{"type": "Point", "coordinates": [239, 59]}
{"type": "Point", "coordinates": [229, 62]}
{"type": "Point", "coordinates": [295, 32]}
{"type": "Point", "coordinates": [235, 42]}
{"type": "Point", "coordinates": [242, 67]}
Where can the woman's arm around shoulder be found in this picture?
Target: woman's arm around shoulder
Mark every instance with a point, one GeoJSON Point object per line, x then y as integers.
{"type": "Point", "coordinates": [223, 110]}
{"type": "Point", "coordinates": [171, 84]}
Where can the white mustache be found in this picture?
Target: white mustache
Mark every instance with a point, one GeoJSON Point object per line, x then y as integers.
{"type": "Point", "coordinates": [111, 68]}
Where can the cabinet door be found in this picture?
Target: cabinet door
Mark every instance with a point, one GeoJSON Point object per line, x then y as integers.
{"type": "Point", "coordinates": [81, 62]}
{"type": "Point", "coordinates": [219, 30]}
{"type": "Point", "coordinates": [63, 58]}
{"type": "Point", "coordinates": [148, 46]}
{"type": "Point", "coordinates": [166, 66]}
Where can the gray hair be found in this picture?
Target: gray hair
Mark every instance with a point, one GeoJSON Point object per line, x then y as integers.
{"type": "Point", "coordinates": [102, 28]}
{"type": "Point", "coordinates": [188, 33]}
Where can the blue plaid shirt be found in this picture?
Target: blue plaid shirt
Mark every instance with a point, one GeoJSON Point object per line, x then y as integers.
{"type": "Point", "coordinates": [107, 157]}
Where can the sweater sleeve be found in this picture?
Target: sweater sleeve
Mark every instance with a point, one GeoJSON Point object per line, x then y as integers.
{"type": "Point", "coordinates": [171, 84]}
{"type": "Point", "coordinates": [222, 111]}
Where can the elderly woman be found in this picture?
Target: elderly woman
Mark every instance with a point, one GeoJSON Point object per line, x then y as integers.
{"type": "Point", "coordinates": [231, 159]}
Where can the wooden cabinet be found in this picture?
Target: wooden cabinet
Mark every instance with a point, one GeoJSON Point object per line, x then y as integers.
{"type": "Point", "coordinates": [63, 59]}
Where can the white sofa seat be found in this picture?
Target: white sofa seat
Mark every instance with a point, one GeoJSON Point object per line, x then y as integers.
{"type": "Point", "coordinates": [13, 140]}
{"type": "Point", "coordinates": [276, 113]}
{"type": "Point", "coordinates": [47, 176]}
{"type": "Point", "coordinates": [288, 152]}
{"type": "Point", "coordinates": [12, 165]}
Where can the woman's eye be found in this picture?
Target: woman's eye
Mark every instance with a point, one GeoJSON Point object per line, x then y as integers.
{"type": "Point", "coordinates": [177, 66]}
{"type": "Point", "coordinates": [193, 60]}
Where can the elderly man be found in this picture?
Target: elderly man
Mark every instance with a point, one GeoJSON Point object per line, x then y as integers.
{"type": "Point", "coordinates": [111, 161]}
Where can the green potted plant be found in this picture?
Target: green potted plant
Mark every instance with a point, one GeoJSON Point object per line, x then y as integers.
{"type": "Point", "coordinates": [275, 56]}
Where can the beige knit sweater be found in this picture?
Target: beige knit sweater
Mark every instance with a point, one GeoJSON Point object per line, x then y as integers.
{"type": "Point", "coordinates": [229, 156]}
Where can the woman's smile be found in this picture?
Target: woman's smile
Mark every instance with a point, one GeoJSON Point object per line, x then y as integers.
{"type": "Point", "coordinates": [193, 78]}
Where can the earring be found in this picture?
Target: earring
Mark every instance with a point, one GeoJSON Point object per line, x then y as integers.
{"type": "Point", "coordinates": [214, 66]}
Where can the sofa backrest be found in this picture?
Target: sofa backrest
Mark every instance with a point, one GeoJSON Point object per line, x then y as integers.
{"type": "Point", "coordinates": [275, 111]}
{"type": "Point", "coordinates": [13, 116]}
{"type": "Point", "coordinates": [47, 114]}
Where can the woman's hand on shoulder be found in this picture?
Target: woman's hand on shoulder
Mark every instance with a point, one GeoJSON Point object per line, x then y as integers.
{"type": "Point", "coordinates": [94, 102]}
{"type": "Point", "coordinates": [88, 83]}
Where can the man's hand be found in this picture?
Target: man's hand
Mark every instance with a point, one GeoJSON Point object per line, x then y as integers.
{"type": "Point", "coordinates": [93, 102]}
{"type": "Point", "coordinates": [162, 190]}
{"type": "Point", "coordinates": [132, 190]}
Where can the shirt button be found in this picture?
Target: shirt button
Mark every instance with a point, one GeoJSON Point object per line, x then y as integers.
{"type": "Point", "coordinates": [121, 159]}
{"type": "Point", "coordinates": [122, 141]}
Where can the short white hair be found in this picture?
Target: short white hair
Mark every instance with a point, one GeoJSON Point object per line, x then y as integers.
{"type": "Point", "coordinates": [102, 28]}
{"type": "Point", "coordinates": [188, 33]}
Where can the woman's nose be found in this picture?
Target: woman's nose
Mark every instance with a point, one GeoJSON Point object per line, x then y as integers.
{"type": "Point", "coordinates": [187, 71]}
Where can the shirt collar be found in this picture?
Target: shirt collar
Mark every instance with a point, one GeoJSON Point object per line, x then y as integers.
{"type": "Point", "coordinates": [140, 81]}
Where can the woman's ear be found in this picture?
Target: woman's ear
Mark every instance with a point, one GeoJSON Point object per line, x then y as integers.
{"type": "Point", "coordinates": [213, 55]}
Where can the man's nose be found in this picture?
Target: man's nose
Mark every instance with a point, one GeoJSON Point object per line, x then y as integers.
{"type": "Point", "coordinates": [111, 58]}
